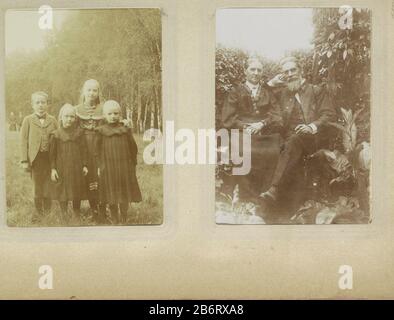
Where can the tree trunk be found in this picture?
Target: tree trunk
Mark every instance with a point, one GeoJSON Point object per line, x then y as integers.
{"type": "Point", "coordinates": [139, 107]}
{"type": "Point", "coordinates": [152, 116]}
{"type": "Point", "coordinates": [145, 117]}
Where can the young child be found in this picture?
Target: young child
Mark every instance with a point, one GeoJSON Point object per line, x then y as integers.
{"type": "Point", "coordinates": [90, 116]}
{"type": "Point", "coordinates": [116, 152]}
{"type": "Point", "coordinates": [34, 150]}
{"type": "Point", "coordinates": [68, 158]}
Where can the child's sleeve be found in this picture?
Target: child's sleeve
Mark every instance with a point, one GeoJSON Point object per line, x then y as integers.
{"type": "Point", "coordinates": [52, 151]}
{"type": "Point", "coordinates": [25, 140]}
{"type": "Point", "coordinates": [133, 146]}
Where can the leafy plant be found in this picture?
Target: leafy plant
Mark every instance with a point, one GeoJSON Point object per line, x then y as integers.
{"type": "Point", "coordinates": [348, 128]}
{"type": "Point", "coordinates": [343, 210]}
{"type": "Point", "coordinates": [342, 59]}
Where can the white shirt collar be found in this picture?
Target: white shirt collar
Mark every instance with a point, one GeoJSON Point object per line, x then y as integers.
{"type": "Point", "coordinates": [252, 86]}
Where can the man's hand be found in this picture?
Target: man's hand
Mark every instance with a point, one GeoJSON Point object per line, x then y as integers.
{"type": "Point", "coordinates": [54, 175]}
{"type": "Point", "coordinates": [303, 129]}
{"type": "Point", "coordinates": [278, 80]}
{"type": "Point", "coordinates": [254, 128]}
{"type": "Point", "coordinates": [85, 171]}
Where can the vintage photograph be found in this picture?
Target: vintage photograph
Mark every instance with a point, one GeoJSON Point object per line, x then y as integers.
{"type": "Point", "coordinates": [296, 82]}
{"type": "Point", "coordinates": [82, 87]}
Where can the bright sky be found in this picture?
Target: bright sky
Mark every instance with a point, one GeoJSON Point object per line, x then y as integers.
{"type": "Point", "coordinates": [267, 32]}
{"type": "Point", "coordinates": [22, 31]}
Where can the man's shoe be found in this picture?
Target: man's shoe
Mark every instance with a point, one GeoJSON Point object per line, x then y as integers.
{"type": "Point", "coordinates": [270, 194]}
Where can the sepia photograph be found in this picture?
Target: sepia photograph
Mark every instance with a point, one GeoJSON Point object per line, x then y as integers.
{"type": "Point", "coordinates": [296, 84]}
{"type": "Point", "coordinates": [82, 86]}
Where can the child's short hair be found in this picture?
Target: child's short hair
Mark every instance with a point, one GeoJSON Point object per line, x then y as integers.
{"type": "Point", "coordinates": [63, 109]}
{"type": "Point", "coordinates": [111, 103]}
{"type": "Point", "coordinates": [41, 94]}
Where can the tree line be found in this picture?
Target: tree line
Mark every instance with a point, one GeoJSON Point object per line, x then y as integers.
{"type": "Point", "coordinates": [121, 48]}
{"type": "Point", "coordinates": [340, 60]}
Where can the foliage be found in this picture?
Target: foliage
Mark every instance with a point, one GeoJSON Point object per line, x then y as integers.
{"type": "Point", "coordinates": [344, 210]}
{"type": "Point", "coordinates": [229, 71]}
{"type": "Point", "coordinates": [121, 48]}
{"type": "Point", "coordinates": [233, 211]}
{"type": "Point", "coordinates": [342, 61]}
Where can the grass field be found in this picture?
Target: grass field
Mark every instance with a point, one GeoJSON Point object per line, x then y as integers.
{"type": "Point", "coordinates": [19, 192]}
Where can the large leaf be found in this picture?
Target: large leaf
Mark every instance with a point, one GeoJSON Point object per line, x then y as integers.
{"type": "Point", "coordinates": [336, 160]}
{"type": "Point", "coordinates": [325, 216]}
{"type": "Point", "coordinates": [235, 198]}
{"type": "Point", "coordinates": [349, 129]}
{"type": "Point", "coordinates": [244, 213]}
{"type": "Point", "coordinates": [307, 213]}
{"type": "Point", "coordinates": [337, 165]}
{"type": "Point", "coordinates": [364, 156]}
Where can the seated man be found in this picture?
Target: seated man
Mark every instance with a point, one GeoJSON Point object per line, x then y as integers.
{"type": "Point", "coordinates": [251, 106]}
{"type": "Point", "coordinates": [306, 109]}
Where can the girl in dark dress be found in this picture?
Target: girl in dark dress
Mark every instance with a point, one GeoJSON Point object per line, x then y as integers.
{"type": "Point", "coordinates": [90, 116]}
{"type": "Point", "coordinates": [68, 159]}
{"type": "Point", "coordinates": [116, 152]}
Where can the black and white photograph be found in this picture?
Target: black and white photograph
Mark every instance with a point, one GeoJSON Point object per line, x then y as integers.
{"type": "Point", "coordinates": [82, 86]}
{"type": "Point", "coordinates": [296, 81]}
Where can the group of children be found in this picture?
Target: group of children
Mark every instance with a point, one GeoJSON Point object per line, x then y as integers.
{"type": "Point", "coordinates": [90, 154]}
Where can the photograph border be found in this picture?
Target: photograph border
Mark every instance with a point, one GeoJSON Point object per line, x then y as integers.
{"type": "Point", "coordinates": [95, 233]}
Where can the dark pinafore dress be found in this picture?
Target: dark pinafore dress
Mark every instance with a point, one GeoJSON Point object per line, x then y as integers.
{"type": "Point", "coordinates": [116, 152]}
{"type": "Point", "coordinates": [67, 154]}
{"type": "Point", "coordinates": [89, 118]}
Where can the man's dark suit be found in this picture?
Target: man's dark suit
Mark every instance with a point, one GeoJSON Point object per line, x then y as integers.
{"type": "Point", "coordinates": [315, 109]}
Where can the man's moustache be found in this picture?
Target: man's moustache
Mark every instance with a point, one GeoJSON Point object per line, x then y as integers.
{"type": "Point", "coordinates": [292, 79]}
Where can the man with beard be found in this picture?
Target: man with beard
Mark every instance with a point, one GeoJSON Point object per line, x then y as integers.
{"type": "Point", "coordinates": [252, 107]}
{"type": "Point", "coordinates": [306, 110]}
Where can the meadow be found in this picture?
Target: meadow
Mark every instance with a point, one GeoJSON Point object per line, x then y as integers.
{"type": "Point", "coordinates": [19, 194]}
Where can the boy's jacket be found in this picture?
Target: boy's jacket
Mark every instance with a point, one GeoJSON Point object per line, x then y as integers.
{"type": "Point", "coordinates": [31, 133]}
